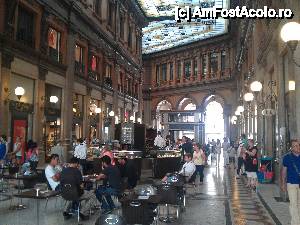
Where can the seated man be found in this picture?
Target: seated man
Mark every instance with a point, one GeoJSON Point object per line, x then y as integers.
{"type": "Point", "coordinates": [187, 169]}
{"type": "Point", "coordinates": [129, 171]}
{"type": "Point", "coordinates": [72, 175]}
{"type": "Point", "coordinates": [112, 185]}
{"type": "Point", "coordinates": [52, 174]}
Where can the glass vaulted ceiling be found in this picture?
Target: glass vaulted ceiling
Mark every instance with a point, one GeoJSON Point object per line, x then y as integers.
{"type": "Point", "coordinates": [163, 32]}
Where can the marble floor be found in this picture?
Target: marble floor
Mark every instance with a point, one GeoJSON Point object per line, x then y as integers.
{"type": "Point", "coordinates": [221, 200]}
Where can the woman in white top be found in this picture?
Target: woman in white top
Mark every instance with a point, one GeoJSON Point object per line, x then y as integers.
{"type": "Point", "coordinates": [18, 150]}
{"type": "Point", "coordinates": [80, 153]}
{"type": "Point", "coordinates": [218, 151]}
{"type": "Point", "coordinates": [199, 161]}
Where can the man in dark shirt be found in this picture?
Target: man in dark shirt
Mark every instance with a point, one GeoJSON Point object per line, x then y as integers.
{"type": "Point", "coordinates": [129, 171]}
{"type": "Point", "coordinates": [112, 185]}
{"type": "Point", "coordinates": [72, 175]}
{"type": "Point", "coordinates": [187, 145]}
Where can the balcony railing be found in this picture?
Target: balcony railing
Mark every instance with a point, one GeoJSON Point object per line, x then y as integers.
{"type": "Point", "coordinates": [219, 75]}
{"type": "Point", "coordinates": [93, 75]}
{"type": "Point", "coordinates": [79, 68]}
{"type": "Point", "coordinates": [55, 55]}
{"type": "Point", "coordinates": [107, 82]}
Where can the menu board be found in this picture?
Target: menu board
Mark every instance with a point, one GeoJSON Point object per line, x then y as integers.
{"type": "Point", "coordinates": [127, 134]}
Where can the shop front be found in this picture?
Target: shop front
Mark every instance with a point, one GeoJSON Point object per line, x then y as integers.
{"type": "Point", "coordinates": [77, 126]}
{"type": "Point", "coordinates": [21, 107]}
{"type": "Point", "coordinates": [95, 110]}
{"type": "Point", "coordinates": [52, 119]}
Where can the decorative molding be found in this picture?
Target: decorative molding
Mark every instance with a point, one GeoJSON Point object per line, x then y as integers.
{"type": "Point", "coordinates": [42, 72]}
{"type": "Point", "coordinates": [88, 90]}
{"type": "Point", "coordinates": [20, 106]}
{"type": "Point", "coordinates": [52, 112]}
{"type": "Point", "coordinates": [7, 59]}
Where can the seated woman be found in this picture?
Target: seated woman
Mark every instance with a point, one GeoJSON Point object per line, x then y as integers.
{"type": "Point", "coordinates": [106, 151]}
{"type": "Point", "coordinates": [187, 169]}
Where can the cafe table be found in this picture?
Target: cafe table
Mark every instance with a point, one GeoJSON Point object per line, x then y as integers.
{"type": "Point", "coordinates": [37, 195]}
{"type": "Point", "coordinates": [19, 177]}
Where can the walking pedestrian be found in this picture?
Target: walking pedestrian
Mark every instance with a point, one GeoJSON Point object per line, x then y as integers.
{"type": "Point", "coordinates": [251, 164]}
{"type": "Point", "coordinates": [226, 148]}
{"type": "Point", "coordinates": [290, 180]}
{"type": "Point", "coordinates": [199, 160]}
{"type": "Point", "coordinates": [218, 151]}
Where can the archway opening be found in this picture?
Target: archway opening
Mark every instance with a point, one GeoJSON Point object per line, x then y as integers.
{"type": "Point", "coordinates": [161, 106]}
{"type": "Point", "coordinates": [214, 121]}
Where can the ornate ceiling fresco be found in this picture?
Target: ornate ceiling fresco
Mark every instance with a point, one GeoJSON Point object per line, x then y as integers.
{"type": "Point", "coordinates": [164, 32]}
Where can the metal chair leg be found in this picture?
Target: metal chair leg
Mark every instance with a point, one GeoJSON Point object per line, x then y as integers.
{"type": "Point", "coordinates": [46, 203]}
{"type": "Point", "coordinates": [78, 213]}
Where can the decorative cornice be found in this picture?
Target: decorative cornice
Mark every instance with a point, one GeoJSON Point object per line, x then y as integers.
{"type": "Point", "coordinates": [42, 72]}
{"type": "Point", "coordinates": [20, 106]}
{"type": "Point", "coordinates": [7, 59]}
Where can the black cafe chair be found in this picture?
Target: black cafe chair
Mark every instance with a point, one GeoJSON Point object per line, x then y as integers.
{"type": "Point", "coordinates": [70, 193]}
{"type": "Point", "coordinates": [169, 196]}
{"type": "Point", "coordinates": [137, 212]}
{"type": "Point", "coordinates": [110, 219]}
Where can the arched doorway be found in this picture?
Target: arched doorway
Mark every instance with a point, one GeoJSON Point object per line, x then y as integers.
{"type": "Point", "coordinates": [214, 121]}
{"type": "Point", "coordinates": [161, 106]}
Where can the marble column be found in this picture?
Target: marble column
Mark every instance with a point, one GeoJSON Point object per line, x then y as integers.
{"type": "Point", "coordinates": [6, 60]}
{"type": "Point", "coordinates": [227, 113]}
{"type": "Point", "coordinates": [39, 121]}
{"type": "Point", "coordinates": [67, 101]}
{"type": "Point", "coordinates": [86, 114]}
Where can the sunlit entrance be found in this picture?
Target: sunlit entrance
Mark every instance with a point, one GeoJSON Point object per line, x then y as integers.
{"type": "Point", "coordinates": [214, 121]}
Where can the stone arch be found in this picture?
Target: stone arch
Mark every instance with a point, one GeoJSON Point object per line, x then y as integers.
{"type": "Point", "coordinates": [159, 100]}
{"type": "Point", "coordinates": [163, 105]}
{"type": "Point", "coordinates": [184, 101]}
{"type": "Point", "coordinates": [210, 98]}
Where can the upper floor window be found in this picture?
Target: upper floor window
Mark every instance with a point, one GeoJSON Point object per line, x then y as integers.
{"type": "Point", "coordinates": [137, 44]}
{"type": "Point", "coordinates": [108, 70]}
{"type": "Point", "coordinates": [120, 82]}
{"type": "Point", "coordinates": [164, 72]}
{"type": "Point", "coordinates": [171, 71]}
{"type": "Point", "coordinates": [223, 60]}
{"type": "Point", "coordinates": [94, 63]}
{"type": "Point", "coordinates": [97, 6]}
{"type": "Point", "coordinates": [204, 65]}
{"type": "Point", "coordinates": [178, 69]}
{"type": "Point", "coordinates": [196, 67]}
{"type": "Point", "coordinates": [187, 68]}
{"type": "Point", "coordinates": [54, 44]}
{"type": "Point", "coordinates": [157, 74]}
{"type": "Point", "coordinates": [110, 13]}
{"type": "Point", "coordinates": [122, 25]}
{"type": "Point", "coordinates": [79, 59]}
{"type": "Point", "coordinates": [136, 90]}
{"type": "Point", "coordinates": [25, 27]}
{"type": "Point", "coordinates": [130, 36]}
{"type": "Point", "coordinates": [213, 63]}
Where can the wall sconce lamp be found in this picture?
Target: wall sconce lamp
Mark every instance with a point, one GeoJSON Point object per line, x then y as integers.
{"type": "Point", "coordinates": [291, 37]}
{"type": "Point", "coordinates": [248, 97]}
{"type": "Point", "coordinates": [53, 99]}
{"type": "Point", "coordinates": [19, 92]}
{"type": "Point", "coordinates": [292, 85]}
{"type": "Point", "coordinates": [111, 113]}
{"type": "Point", "coordinates": [139, 120]}
{"type": "Point", "coordinates": [98, 110]}
{"type": "Point", "coordinates": [131, 118]}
